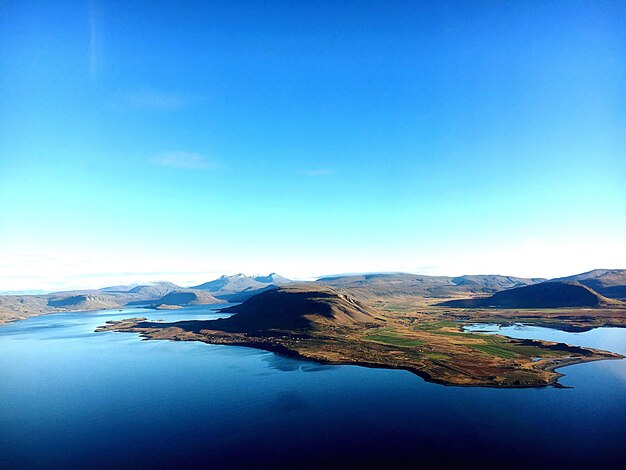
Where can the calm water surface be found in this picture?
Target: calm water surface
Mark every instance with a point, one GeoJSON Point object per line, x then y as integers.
{"type": "Point", "coordinates": [72, 398]}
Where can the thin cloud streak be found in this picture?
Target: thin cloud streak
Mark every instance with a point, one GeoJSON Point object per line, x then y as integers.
{"type": "Point", "coordinates": [150, 100]}
{"type": "Point", "coordinates": [319, 172]}
{"type": "Point", "coordinates": [186, 161]}
{"type": "Point", "coordinates": [95, 40]}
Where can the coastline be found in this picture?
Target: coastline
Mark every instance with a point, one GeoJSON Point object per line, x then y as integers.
{"type": "Point", "coordinates": [87, 310]}
{"type": "Point", "coordinates": [276, 345]}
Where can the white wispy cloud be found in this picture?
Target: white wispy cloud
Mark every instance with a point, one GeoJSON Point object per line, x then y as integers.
{"type": "Point", "coordinates": [96, 39]}
{"type": "Point", "coordinates": [319, 172]}
{"type": "Point", "coordinates": [150, 100]}
{"type": "Point", "coordinates": [186, 161]}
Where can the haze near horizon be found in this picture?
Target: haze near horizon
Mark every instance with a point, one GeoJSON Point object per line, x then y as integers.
{"type": "Point", "coordinates": [150, 141]}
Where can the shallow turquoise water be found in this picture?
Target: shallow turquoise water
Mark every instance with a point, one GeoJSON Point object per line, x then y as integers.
{"type": "Point", "coordinates": [70, 397]}
{"type": "Point", "coordinates": [611, 339]}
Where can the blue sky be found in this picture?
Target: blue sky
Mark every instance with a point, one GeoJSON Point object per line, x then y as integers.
{"type": "Point", "coordinates": [147, 140]}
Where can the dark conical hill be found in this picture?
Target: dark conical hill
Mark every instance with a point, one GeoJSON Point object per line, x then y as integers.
{"type": "Point", "coordinates": [297, 308]}
{"type": "Point", "coordinates": [551, 294]}
{"type": "Point", "coordinates": [607, 282]}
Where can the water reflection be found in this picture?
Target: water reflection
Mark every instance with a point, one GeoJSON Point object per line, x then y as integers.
{"type": "Point", "coordinates": [610, 339]}
{"type": "Point", "coordinates": [82, 399]}
{"type": "Point", "coordinates": [287, 364]}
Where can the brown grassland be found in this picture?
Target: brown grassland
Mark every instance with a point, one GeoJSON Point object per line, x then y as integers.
{"type": "Point", "coordinates": [403, 332]}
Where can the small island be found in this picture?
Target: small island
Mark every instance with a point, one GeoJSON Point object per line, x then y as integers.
{"type": "Point", "coordinates": [329, 325]}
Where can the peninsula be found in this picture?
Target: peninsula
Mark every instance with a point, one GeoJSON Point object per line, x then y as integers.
{"type": "Point", "coordinates": [343, 326]}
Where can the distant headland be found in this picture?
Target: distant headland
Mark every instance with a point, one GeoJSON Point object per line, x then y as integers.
{"type": "Point", "coordinates": [400, 321]}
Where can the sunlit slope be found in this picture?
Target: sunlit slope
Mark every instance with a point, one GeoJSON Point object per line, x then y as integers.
{"type": "Point", "coordinates": [299, 307]}
{"type": "Point", "coordinates": [552, 294]}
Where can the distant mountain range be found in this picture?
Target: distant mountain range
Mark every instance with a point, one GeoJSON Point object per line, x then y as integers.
{"type": "Point", "coordinates": [239, 287]}
{"type": "Point", "coordinates": [24, 292]}
{"type": "Point", "coordinates": [403, 284]}
{"type": "Point", "coordinates": [597, 288]}
{"type": "Point", "coordinates": [161, 294]}
{"type": "Point", "coordinates": [187, 297]}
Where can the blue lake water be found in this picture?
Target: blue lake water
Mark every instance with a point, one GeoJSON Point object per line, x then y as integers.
{"type": "Point", "coordinates": [72, 398]}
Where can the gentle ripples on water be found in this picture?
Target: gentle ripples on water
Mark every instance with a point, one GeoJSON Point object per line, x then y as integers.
{"type": "Point", "coordinates": [70, 397]}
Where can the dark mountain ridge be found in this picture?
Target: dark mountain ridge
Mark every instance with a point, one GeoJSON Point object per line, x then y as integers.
{"type": "Point", "coordinates": [608, 282]}
{"type": "Point", "coordinates": [549, 294]}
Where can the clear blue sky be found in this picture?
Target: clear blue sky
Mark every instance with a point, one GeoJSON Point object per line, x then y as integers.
{"type": "Point", "coordinates": [185, 140]}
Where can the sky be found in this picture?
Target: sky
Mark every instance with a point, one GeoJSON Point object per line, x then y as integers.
{"type": "Point", "coordinates": [185, 140]}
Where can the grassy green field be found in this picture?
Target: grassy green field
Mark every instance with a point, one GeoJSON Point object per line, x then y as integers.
{"type": "Point", "coordinates": [387, 336]}
{"type": "Point", "coordinates": [493, 350]}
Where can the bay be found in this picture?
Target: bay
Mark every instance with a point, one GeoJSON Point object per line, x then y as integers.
{"type": "Point", "coordinates": [73, 398]}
